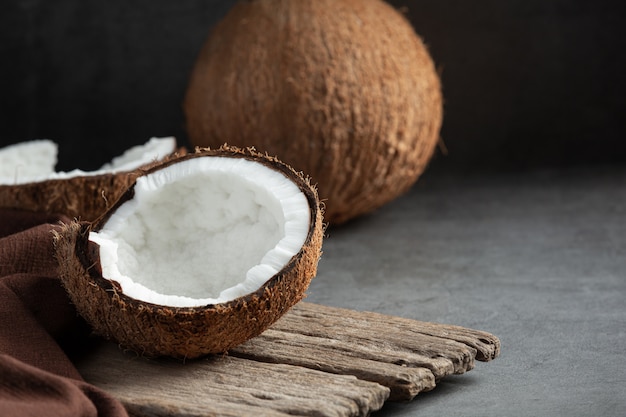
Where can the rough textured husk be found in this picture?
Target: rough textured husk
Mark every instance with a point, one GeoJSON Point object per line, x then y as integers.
{"type": "Point", "coordinates": [85, 197]}
{"type": "Point", "coordinates": [82, 197]}
{"type": "Point", "coordinates": [154, 330]}
{"type": "Point", "coordinates": [343, 90]}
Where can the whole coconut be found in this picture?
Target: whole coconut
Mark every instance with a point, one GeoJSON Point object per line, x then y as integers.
{"type": "Point", "coordinates": [343, 90]}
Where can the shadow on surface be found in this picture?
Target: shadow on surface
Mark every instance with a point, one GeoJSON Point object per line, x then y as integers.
{"type": "Point", "coordinates": [442, 393]}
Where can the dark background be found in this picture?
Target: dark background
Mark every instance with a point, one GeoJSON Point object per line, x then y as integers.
{"type": "Point", "coordinates": [528, 84]}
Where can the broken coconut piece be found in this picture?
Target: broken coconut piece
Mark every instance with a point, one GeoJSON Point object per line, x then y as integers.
{"type": "Point", "coordinates": [27, 161]}
{"type": "Point", "coordinates": [202, 253]}
{"type": "Point", "coordinates": [28, 180]}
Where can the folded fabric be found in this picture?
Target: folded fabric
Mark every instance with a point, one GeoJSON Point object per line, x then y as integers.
{"type": "Point", "coordinates": [40, 331]}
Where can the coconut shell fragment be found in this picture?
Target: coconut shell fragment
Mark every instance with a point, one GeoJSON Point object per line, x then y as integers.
{"type": "Point", "coordinates": [344, 90]}
{"type": "Point", "coordinates": [77, 194]}
{"type": "Point", "coordinates": [80, 197]}
{"type": "Point", "coordinates": [155, 329]}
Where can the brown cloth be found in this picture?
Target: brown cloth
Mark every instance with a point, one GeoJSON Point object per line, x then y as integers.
{"type": "Point", "coordinates": [40, 331]}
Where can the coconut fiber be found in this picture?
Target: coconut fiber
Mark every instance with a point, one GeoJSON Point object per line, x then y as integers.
{"type": "Point", "coordinates": [40, 332]}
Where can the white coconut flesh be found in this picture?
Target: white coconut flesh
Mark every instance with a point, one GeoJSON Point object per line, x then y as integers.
{"type": "Point", "coordinates": [35, 160]}
{"type": "Point", "coordinates": [27, 160]}
{"type": "Point", "coordinates": [203, 231]}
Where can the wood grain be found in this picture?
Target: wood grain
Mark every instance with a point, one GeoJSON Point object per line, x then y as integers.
{"type": "Point", "coordinates": [227, 386]}
{"type": "Point", "coordinates": [408, 356]}
{"type": "Point", "coordinates": [315, 361]}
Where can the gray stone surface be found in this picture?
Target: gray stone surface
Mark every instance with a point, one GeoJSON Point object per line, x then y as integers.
{"type": "Point", "coordinates": [538, 259]}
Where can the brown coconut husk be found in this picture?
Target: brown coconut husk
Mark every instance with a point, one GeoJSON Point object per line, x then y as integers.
{"type": "Point", "coordinates": [185, 332]}
{"type": "Point", "coordinates": [344, 90]}
{"type": "Point", "coordinates": [82, 197]}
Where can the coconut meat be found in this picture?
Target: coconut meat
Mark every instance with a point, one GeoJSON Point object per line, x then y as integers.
{"type": "Point", "coordinates": [23, 161]}
{"type": "Point", "coordinates": [35, 160]}
{"type": "Point", "coordinates": [203, 231]}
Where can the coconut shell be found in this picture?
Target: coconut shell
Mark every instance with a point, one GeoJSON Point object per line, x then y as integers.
{"type": "Point", "coordinates": [83, 197]}
{"type": "Point", "coordinates": [184, 332]}
{"type": "Point", "coordinates": [344, 90]}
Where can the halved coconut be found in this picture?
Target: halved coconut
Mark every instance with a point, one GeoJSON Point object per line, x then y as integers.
{"type": "Point", "coordinates": [200, 254]}
{"type": "Point", "coordinates": [28, 180]}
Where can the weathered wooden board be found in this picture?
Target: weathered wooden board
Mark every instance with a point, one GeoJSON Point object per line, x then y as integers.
{"type": "Point", "coordinates": [408, 356]}
{"type": "Point", "coordinates": [227, 386]}
{"type": "Point", "coordinates": [315, 361]}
